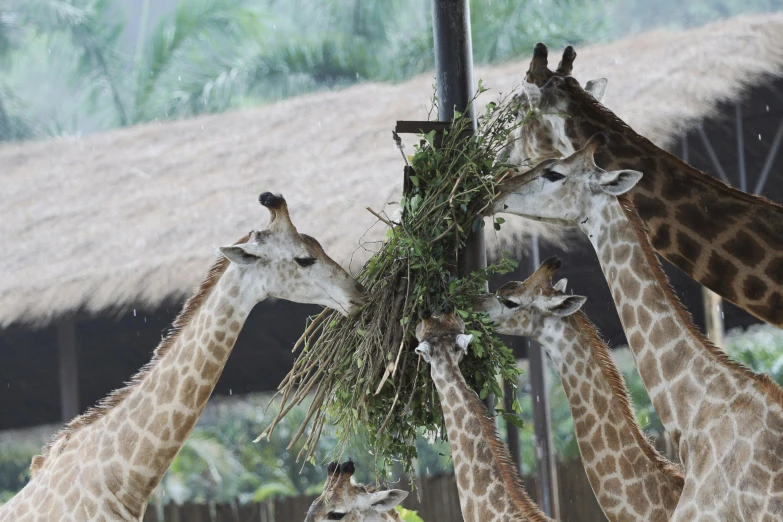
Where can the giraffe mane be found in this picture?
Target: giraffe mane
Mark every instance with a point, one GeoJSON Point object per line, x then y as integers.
{"type": "Point", "coordinates": [617, 384]}
{"type": "Point", "coordinates": [763, 380]}
{"type": "Point", "coordinates": [619, 127]}
{"type": "Point", "coordinates": [501, 456]}
{"type": "Point", "coordinates": [116, 397]}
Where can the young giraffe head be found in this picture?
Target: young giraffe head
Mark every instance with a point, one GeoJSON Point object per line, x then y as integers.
{"type": "Point", "coordinates": [545, 97]}
{"type": "Point", "coordinates": [280, 262]}
{"type": "Point", "coordinates": [442, 340]}
{"type": "Point", "coordinates": [523, 307]}
{"type": "Point", "coordinates": [565, 192]}
{"type": "Point", "coordinates": [343, 499]}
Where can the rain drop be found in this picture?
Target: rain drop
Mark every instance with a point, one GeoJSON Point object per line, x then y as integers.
{"type": "Point", "coordinates": [134, 312]}
{"type": "Point", "coordinates": [230, 391]}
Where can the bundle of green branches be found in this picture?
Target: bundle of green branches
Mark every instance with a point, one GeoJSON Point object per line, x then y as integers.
{"type": "Point", "coordinates": [363, 372]}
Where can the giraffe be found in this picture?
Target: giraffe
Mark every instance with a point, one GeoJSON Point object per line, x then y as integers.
{"type": "Point", "coordinates": [630, 479]}
{"type": "Point", "coordinates": [726, 419]}
{"type": "Point", "coordinates": [343, 499]}
{"type": "Point", "coordinates": [105, 464]}
{"type": "Point", "coordinates": [726, 239]}
{"type": "Point", "coordinates": [490, 489]}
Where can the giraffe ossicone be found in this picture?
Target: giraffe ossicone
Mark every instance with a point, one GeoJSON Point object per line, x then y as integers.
{"type": "Point", "coordinates": [631, 481]}
{"type": "Point", "coordinates": [490, 489]}
{"type": "Point", "coordinates": [726, 419]}
{"type": "Point", "coordinates": [346, 500]}
{"type": "Point", "coordinates": [105, 463]}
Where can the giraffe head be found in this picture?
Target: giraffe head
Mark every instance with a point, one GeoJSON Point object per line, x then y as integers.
{"type": "Point", "coordinates": [343, 499]}
{"type": "Point", "coordinates": [280, 262]}
{"type": "Point", "coordinates": [549, 97]}
{"type": "Point", "coordinates": [566, 191]}
{"type": "Point", "coordinates": [442, 340]}
{"type": "Point", "coordinates": [523, 307]}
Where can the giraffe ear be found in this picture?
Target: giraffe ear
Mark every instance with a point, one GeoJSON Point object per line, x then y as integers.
{"type": "Point", "coordinates": [597, 88]}
{"type": "Point", "coordinates": [564, 305]}
{"type": "Point", "coordinates": [618, 182]}
{"type": "Point", "coordinates": [560, 286]}
{"type": "Point", "coordinates": [383, 501]}
{"type": "Point", "coordinates": [239, 254]}
{"type": "Point", "coordinates": [532, 92]}
{"type": "Point", "coordinates": [463, 341]}
{"type": "Point", "coordinates": [424, 350]}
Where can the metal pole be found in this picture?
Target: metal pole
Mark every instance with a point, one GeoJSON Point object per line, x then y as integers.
{"type": "Point", "coordinates": [771, 155]}
{"type": "Point", "coordinates": [539, 390]}
{"type": "Point", "coordinates": [453, 57]}
{"type": "Point", "coordinates": [68, 369]}
{"type": "Point", "coordinates": [454, 74]}
{"type": "Point", "coordinates": [512, 432]}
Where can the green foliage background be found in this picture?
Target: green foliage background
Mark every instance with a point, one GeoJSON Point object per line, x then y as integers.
{"type": "Point", "coordinates": [64, 69]}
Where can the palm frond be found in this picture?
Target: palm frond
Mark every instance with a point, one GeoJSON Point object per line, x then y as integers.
{"type": "Point", "coordinates": [196, 39]}
{"type": "Point", "coordinates": [15, 123]}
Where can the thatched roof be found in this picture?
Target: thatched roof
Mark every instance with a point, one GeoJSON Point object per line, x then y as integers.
{"type": "Point", "coordinates": [132, 216]}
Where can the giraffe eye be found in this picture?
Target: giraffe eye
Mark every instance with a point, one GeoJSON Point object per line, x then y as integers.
{"type": "Point", "coordinates": [305, 261]}
{"type": "Point", "coordinates": [335, 516]}
{"type": "Point", "coordinates": [551, 175]}
{"type": "Point", "coordinates": [508, 303]}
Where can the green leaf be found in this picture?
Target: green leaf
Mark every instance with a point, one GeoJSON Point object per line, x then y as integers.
{"type": "Point", "coordinates": [515, 420]}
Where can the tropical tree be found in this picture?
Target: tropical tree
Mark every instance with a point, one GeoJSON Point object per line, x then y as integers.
{"type": "Point", "coordinates": [211, 55]}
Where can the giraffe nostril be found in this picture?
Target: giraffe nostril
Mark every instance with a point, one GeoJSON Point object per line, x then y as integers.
{"type": "Point", "coordinates": [360, 288]}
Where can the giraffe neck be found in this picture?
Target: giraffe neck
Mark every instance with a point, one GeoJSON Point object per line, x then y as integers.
{"type": "Point", "coordinates": [489, 485]}
{"type": "Point", "coordinates": [134, 440]}
{"type": "Point", "coordinates": [724, 238]}
{"type": "Point", "coordinates": [677, 364]}
{"type": "Point", "coordinates": [630, 479]}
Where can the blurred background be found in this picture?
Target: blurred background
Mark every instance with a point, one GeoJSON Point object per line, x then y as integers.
{"type": "Point", "coordinates": [80, 66]}
{"type": "Point", "coordinates": [73, 68]}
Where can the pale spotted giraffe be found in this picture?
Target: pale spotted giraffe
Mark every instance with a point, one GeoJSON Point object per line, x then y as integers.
{"type": "Point", "coordinates": [490, 489]}
{"type": "Point", "coordinates": [343, 499]}
{"type": "Point", "coordinates": [105, 464]}
{"type": "Point", "coordinates": [726, 419]}
{"type": "Point", "coordinates": [729, 241]}
{"type": "Point", "coordinates": [631, 480]}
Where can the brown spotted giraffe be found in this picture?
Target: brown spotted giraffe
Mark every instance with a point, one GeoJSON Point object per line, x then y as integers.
{"type": "Point", "coordinates": [105, 464]}
{"type": "Point", "coordinates": [631, 481]}
{"type": "Point", "coordinates": [726, 419]}
{"type": "Point", "coordinates": [729, 241]}
{"type": "Point", "coordinates": [489, 486]}
{"type": "Point", "coordinates": [343, 499]}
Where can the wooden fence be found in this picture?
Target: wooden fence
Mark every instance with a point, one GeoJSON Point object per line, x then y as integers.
{"type": "Point", "coordinates": [439, 503]}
